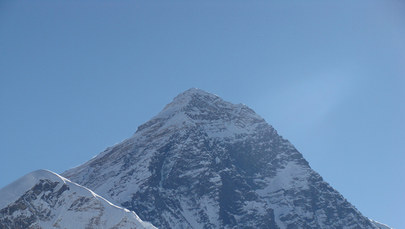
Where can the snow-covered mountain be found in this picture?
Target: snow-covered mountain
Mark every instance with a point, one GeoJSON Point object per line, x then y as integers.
{"type": "Point", "coordinates": [203, 162]}
{"type": "Point", "coordinates": [43, 199]}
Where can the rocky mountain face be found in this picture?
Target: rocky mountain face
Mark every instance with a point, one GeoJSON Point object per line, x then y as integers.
{"type": "Point", "coordinates": [43, 199]}
{"type": "Point", "coordinates": [203, 162]}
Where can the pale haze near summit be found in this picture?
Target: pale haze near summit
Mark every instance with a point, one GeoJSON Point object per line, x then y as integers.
{"type": "Point", "coordinates": [78, 77]}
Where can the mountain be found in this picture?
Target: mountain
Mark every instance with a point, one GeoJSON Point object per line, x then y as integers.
{"type": "Point", "coordinates": [203, 162]}
{"type": "Point", "coordinates": [43, 199]}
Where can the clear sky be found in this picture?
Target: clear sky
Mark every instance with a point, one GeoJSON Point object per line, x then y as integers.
{"type": "Point", "coordinates": [79, 76]}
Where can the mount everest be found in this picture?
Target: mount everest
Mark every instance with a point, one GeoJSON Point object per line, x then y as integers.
{"type": "Point", "coordinates": [201, 162]}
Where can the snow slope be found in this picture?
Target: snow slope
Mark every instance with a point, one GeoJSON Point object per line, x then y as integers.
{"type": "Point", "coordinates": [43, 199]}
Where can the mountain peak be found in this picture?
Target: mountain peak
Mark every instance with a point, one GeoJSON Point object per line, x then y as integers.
{"type": "Point", "coordinates": [14, 190]}
{"type": "Point", "coordinates": [194, 100]}
{"type": "Point", "coordinates": [193, 92]}
{"type": "Point", "coordinates": [195, 107]}
{"type": "Point", "coordinates": [190, 97]}
{"type": "Point", "coordinates": [45, 174]}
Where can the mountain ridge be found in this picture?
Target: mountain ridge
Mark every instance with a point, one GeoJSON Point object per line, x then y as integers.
{"type": "Point", "coordinates": [44, 199]}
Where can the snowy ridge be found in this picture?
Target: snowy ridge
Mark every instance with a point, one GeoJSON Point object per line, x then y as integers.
{"type": "Point", "coordinates": [43, 199]}
{"type": "Point", "coordinates": [15, 190]}
{"type": "Point", "coordinates": [380, 225]}
{"type": "Point", "coordinates": [203, 162]}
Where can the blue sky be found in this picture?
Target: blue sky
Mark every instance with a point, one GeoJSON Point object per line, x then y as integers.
{"type": "Point", "coordinates": [79, 76]}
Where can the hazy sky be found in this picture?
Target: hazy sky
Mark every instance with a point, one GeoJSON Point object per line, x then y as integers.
{"type": "Point", "coordinates": [79, 76]}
